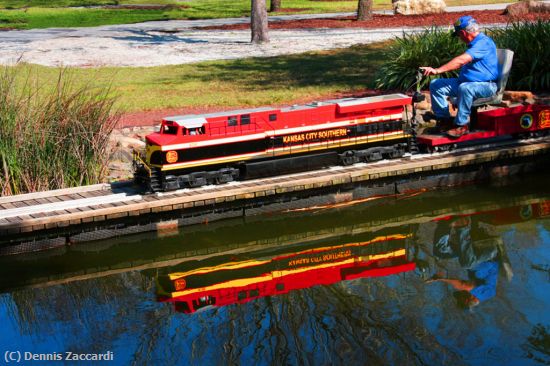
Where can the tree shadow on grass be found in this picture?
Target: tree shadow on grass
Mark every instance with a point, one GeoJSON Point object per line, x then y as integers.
{"type": "Point", "coordinates": [350, 68]}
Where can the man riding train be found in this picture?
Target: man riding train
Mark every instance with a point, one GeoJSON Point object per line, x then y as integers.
{"type": "Point", "coordinates": [477, 77]}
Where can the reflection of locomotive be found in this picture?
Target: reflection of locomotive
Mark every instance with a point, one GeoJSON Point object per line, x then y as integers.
{"type": "Point", "coordinates": [510, 215]}
{"type": "Point", "coordinates": [242, 281]}
{"type": "Point", "coordinates": [195, 150]}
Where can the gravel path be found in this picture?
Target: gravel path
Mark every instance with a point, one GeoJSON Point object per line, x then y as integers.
{"type": "Point", "coordinates": [176, 42]}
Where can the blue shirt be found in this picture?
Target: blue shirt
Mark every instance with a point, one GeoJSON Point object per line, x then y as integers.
{"type": "Point", "coordinates": [484, 65]}
{"type": "Point", "coordinates": [486, 274]}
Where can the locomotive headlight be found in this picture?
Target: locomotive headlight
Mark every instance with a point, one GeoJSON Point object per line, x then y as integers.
{"type": "Point", "coordinates": [180, 284]}
{"type": "Point", "coordinates": [171, 156]}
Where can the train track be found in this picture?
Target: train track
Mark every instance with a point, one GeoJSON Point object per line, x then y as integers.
{"type": "Point", "coordinates": [41, 204]}
{"type": "Point", "coordinates": [61, 208]}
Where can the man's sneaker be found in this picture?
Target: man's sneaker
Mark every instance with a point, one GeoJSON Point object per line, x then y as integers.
{"type": "Point", "coordinates": [458, 131]}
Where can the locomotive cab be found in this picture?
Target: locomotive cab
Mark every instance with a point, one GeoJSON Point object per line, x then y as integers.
{"type": "Point", "coordinates": [192, 126]}
{"type": "Point", "coordinates": [183, 127]}
{"type": "Point", "coordinates": [173, 131]}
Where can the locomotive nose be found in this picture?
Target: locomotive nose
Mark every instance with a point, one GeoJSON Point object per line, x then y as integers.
{"type": "Point", "coordinates": [150, 149]}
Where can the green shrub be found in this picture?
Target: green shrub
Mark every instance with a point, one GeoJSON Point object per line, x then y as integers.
{"type": "Point", "coordinates": [54, 138]}
{"type": "Point", "coordinates": [531, 45]}
{"type": "Point", "coordinates": [431, 47]}
{"type": "Point", "coordinates": [434, 47]}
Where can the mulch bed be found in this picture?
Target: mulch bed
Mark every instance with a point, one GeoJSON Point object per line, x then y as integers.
{"type": "Point", "coordinates": [391, 21]}
{"type": "Point", "coordinates": [150, 118]}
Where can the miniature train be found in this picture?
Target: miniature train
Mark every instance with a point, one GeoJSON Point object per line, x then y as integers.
{"type": "Point", "coordinates": [195, 150]}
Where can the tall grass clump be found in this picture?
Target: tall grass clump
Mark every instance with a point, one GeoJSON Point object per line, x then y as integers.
{"type": "Point", "coordinates": [431, 47]}
{"type": "Point", "coordinates": [531, 45]}
{"type": "Point", "coordinates": [52, 138]}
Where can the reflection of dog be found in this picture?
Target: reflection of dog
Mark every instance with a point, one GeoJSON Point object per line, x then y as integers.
{"type": "Point", "coordinates": [411, 7]}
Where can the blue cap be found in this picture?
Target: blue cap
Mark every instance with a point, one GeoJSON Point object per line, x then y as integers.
{"type": "Point", "coordinates": [462, 23]}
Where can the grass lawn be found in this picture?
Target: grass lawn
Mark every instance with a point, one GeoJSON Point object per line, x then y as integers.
{"type": "Point", "coordinates": [23, 14]}
{"type": "Point", "coordinates": [246, 82]}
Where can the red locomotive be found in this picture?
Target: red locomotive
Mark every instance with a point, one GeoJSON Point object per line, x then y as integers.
{"type": "Point", "coordinates": [194, 150]}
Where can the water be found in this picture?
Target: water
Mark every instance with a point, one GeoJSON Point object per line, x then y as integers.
{"type": "Point", "coordinates": [355, 282]}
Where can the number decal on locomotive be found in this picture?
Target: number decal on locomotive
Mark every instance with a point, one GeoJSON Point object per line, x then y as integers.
{"type": "Point", "coordinates": [526, 121]}
{"type": "Point", "coordinates": [544, 118]}
{"type": "Point", "coordinates": [180, 284]}
{"type": "Point", "coordinates": [171, 157]}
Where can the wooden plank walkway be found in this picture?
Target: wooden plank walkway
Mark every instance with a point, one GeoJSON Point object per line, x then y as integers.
{"type": "Point", "coordinates": [242, 191]}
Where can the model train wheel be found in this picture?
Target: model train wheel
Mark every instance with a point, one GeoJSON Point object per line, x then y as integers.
{"type": "Point", "coordinates": [225, 176]}
{"type": "Point", "coordinates": [197, 179]}
{"type": "Point", "coordinates": [443, 148]}
{"type": "Point", "coordinates": [425, 149]}
{"type": "Point", "coordinates": [396, 153]}
{"type": "Point", "coordinates": [374, 155]}
{"type": "Point", "coordinates": [349, 158]}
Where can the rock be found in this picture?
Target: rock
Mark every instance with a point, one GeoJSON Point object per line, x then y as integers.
{"type": "Point", "coordinates": [526, 7]}
{"type": "Point", "coordinates": [425, 105]}
{"type": "Point", "coordinates": [414, 7]}
{"type": "Point", "coordinates": [119, 171]}
{"type": "Point", "coordinates": [517, 9]}
{"type": "Point", "coordinates": [505, 103]}
{"type": "Point", "coordinates": [121, 156]}
{"type": "Point", "coordinates": [542, 99]}
{"type": "Point", "coordinates": [120, 166]}
{"type": "Point", "coordinates": [539, 7]}
{"type": "Point", "coordinates": [130, 142]}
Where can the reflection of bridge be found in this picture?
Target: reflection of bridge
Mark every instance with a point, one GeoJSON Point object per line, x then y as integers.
{"type": "Point", "coordinates": [303, 227]}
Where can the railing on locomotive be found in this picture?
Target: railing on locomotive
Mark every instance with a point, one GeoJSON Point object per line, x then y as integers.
{"type": "Point", "coordinates": [138, 160]}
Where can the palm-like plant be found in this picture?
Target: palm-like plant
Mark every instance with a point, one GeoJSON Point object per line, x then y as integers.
{"type": "Point", "coordinates": [529, 41]}
{"type": "Point", "coordinates": [431, 47]}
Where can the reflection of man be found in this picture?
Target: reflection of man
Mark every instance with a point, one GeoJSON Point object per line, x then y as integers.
{"type": "Point", "coordinates": [482, 260]}
{"type": "Point", "coordinates": [478, 73]}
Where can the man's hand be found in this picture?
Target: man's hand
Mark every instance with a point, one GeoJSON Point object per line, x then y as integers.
{"type": "Point", "coordinates": [429, 70]}
{"type": "Point", "coordinates": [455, 64]}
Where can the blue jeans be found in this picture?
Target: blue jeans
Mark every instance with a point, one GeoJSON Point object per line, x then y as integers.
{"type": "Point", "coordinates": [465, 92]}
{"type": "Point", "coordinates": [457, 242]}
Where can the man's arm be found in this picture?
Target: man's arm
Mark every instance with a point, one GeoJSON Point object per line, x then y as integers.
{"type": "Point", "coordinates": [456, 283]}
{"type": "Point", "coordinates": [455, 63]}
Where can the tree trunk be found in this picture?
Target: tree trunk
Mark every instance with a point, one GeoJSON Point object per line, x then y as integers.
{"type": "Point", "coordinates": [258, 22]}
{"type": "Point", "coordinates": [364, 10]}
{"type": "Point", "coordinates": [275, 5]}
